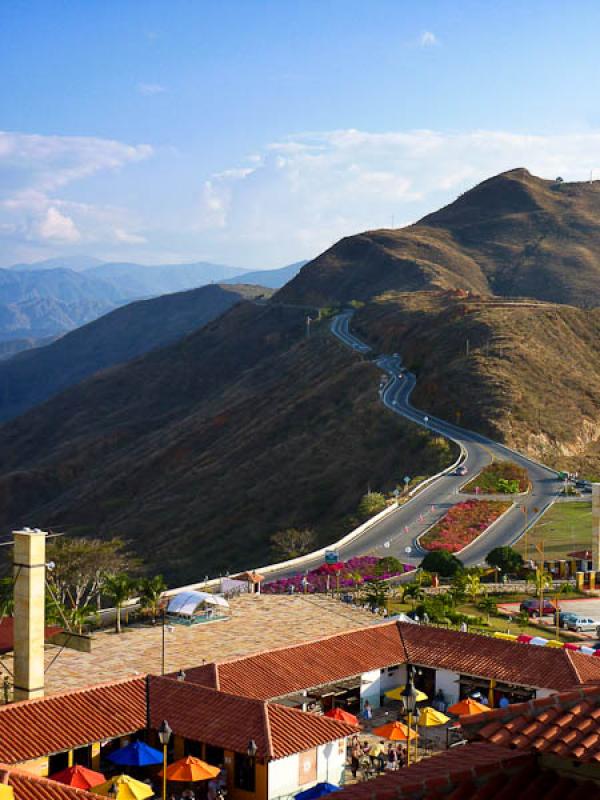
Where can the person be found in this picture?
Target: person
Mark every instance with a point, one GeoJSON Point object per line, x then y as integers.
{"type": "Point", "coordinates": [426, 618]}
{"type": "Point", "coordinates": [463, 627]}
{"type": "Point", "coordinates": [392, 758]}
{"type": "Point", "coordinates": [375, 755]}
{"type": "Point", "coordinates": [355, 755]}
{"type": "Point", "coordinates": [367, 712]}
{"type": "Point", "coordinates": [401, 755]}
{"type": "Point", "coordinates": [504, 702]}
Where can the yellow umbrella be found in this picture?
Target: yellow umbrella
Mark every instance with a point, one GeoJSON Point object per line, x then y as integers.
{"type": "Point", "coordinates": [396, 694]}
{"type": "Point", "coordinates": [430, 717]}
{"type": "Point", "coordinates": [126, 788]}
{"type": "Point", "coordinates": [509, 637]}
{"type": "Point", "coordinates": [395, 731]}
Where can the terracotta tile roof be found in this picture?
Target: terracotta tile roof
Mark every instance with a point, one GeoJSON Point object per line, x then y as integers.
{"type": "Point", "coordinates": [230, 721]}
{"type": "Point", "coordinates": [566, 725]}
{"type": "Point", "coordinates": [276, 673]}
{"type": "Point", "coordinates": [27, 786]}
{"type": "Point", "coordinates": [71, 719]}
{"type": "Point", "coordinates": [473, 772]}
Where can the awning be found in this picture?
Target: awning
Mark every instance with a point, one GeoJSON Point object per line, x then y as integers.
{"type": "Point", "coordinates": [186, 603]}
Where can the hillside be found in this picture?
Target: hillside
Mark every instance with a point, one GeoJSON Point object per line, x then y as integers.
{"type": "Point", "coordinates": [271, 278]}
{"type": "Point", "coordinates": [525, 373]}
{"type": "Point", "coordinates": [34, 376]}
{"type": "Point", "coordinates": [514, 235]}
{"type": "Point", "coordinates": [200, 451]}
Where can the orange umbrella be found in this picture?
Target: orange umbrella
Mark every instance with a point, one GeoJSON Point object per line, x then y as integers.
{"type": "Point", "coordinates": [467, 706]}
{"type": "Point", "coordinates": [190, 769]}
{"type": "Point", "coordinates": [395, 731]}
{"type": "Point", "coordinates": [342, 716]}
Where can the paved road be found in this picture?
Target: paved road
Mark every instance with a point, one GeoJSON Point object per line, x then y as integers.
{"type": "Point", "coordinates": [396, 534]}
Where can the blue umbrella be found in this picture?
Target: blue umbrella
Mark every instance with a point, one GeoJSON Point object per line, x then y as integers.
{"type": "Point", "coordinates": [316, 791]}
{"type": "Point", "coordinates": [136, 754]}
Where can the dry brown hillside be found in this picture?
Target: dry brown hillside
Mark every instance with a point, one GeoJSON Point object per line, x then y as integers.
{"type": "Point", "coordinates": [524, 372]}
{"type": "Point", "coordinates": [514, 235]}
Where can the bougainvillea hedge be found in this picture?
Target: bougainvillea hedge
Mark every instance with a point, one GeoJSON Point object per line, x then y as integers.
{"type": "Point", "coordinates": [501, 477]}
{"type": "Point", "coordinates": [462, 524]}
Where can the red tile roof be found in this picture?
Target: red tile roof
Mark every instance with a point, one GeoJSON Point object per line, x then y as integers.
{"type": "Point", "coordinates": [566, 725]}
{"type": "Point", "coordinates": [27, 786]}
{"type": "Point", "coordinates": [473, 772]}
{"type": "Point", "coordinates": [33, 728]}
{"type": "Point", "coordinates": [230, 721]}
{"type": "Point", "coordinates": [275, 673]}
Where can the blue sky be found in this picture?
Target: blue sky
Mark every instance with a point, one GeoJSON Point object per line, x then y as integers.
{"type": "Point", "coordinates": [258, 133]}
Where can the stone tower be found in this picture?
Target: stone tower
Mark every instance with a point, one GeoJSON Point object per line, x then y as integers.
{"type": "Point", "coordinates": [29, 616]}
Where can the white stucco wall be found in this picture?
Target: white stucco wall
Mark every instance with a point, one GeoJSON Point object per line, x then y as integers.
{"type": "Point", "coordinates": [448, 682]}
{"type": "Point", "coordinates": [376, 682]}
{"type": "Point", "coordinates": [544, 693]}
{"type": "Point", "coordinates": [283, 774]}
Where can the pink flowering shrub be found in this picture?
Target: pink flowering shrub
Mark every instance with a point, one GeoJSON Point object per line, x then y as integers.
{"type": "Point", "coordinates": [463, 523]}
{"type": "Point", "coordinates": [353, 572]}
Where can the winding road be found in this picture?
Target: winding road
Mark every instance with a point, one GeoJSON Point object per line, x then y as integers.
{"type": "Point", "coordinates": [399, 531]}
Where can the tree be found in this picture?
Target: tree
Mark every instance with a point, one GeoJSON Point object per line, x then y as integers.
{"type": "Point", "coordinates": [473, 586]}
{"type": "Point", "coordinates": [151, 591]}
{"type": "Point", "coordinates": [7, 599]}
{"type": "Point", "coordinates": [541, 580]}
{"type": "Point", "coordinates": [293, 542]}
{"type": "Point", "coordinates": [82, 565]}
{"type": "Point", "coordinates": [118, 588]}
{"type": "Point", "coordinates": [506, 559]}
{"type": "Point", "coordinates": [377, 592]}
{"type": "Point", "coordinates": [371, 504]}
{"type": "Point", "coordinates": [487, 605]}
{"type": "Point", "coordinates": [389, 565]}
{"type": "Point", "coordinates": [442, 562]}
{"type": "Point", "coordinates": [413, 592]}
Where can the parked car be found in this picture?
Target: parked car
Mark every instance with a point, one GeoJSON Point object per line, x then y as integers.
{"type": "Point", "coordinates": [564, 617]}
{"type": "Point", "coordinates": [583, 624]}
{"type": "Point", "coordinates": [462, 470]}
{"type": "Point", "coordinates": [532, 607]}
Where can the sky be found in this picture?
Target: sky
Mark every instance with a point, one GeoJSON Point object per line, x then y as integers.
{"type": "Point", "coordinates": [256, 133]}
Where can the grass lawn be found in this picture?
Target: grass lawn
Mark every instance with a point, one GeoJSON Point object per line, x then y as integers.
{"type": "Point", "coordinates": [565, 528]}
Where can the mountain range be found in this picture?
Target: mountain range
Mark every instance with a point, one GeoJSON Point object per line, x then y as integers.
{"type": "Point", "coordinates": [198, 451]}
{"type": "Point", "coordinates": [54, 296]}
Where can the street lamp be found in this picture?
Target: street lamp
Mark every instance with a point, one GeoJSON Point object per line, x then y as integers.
{"type": "Point", "coordinates": [409, 698]}
{"type": "Point", "coordinates": [164, 734]}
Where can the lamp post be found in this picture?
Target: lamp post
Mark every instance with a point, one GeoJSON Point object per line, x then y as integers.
{"type": "Point", "coordinates": [409, 698]}
{"type": "Point", "coordinates": [164, 734]}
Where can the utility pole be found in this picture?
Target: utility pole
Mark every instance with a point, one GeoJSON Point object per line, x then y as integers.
{"type": "Point", "coordinates": [468, 347]}
{"type": "Point", "coordinates": [308, 321]}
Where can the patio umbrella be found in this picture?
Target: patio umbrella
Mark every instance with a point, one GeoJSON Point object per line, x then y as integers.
{"type": "Point", "coordinates": [136, 754]}
{"type": "Point", "coordinates": [122, 787]}
{"type": "Point", "coordinates": [318, 790]}
{"type": "Point", "coordinates": [341, 716]}
{"type": "Point", "coordinates": [396, 694]}
{"type": "Point", "coordinates": [429, 717]}
{"type": "Point", "coordinates": [467, 706]}
{"type": "Point", "coordinates": [395, 732]}
{"type": "Point", "coordinates": [79, 777]}
{"type": "Point", "coordinates": [190, 769]}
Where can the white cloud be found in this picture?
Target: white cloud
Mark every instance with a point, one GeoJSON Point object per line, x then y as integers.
{"type": "Point", "coordinates": [428, 39]}
{"type": "Point", "coordinates": [150, 89]}
{"type": "Point", "coordinates": [125, 237]}
{"type": "Point", "coordinates": [305, 192]}
{"type": "Point", "coordinates": [36, 170]}
{"type": "Point", "coordinates": [58, 227]}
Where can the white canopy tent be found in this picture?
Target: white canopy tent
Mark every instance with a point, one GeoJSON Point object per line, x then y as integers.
{"type": "Point", "coordinates": [195, 606]}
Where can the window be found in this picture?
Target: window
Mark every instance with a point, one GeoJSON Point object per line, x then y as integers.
{"type": "Point", "coordinates": [192, 748]}
{"type": "Point", "coordinates": [214, 755]}
{"type": "Point", "coordinates": [244, 775]}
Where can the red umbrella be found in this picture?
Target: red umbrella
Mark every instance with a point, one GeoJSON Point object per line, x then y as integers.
{"type": "Point", "coordinates": [342, 716]}
{"type": "Point", "coordinates": [79, 777]}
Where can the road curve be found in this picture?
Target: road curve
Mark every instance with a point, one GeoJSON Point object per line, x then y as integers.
{"type": "Point", "coordinates": [402, 528]}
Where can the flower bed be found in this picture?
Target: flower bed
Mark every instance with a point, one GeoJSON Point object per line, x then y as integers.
{"type": "Point", "coordinates": [462, 524]}
{"type": "Point", "coordinates": [351, 573]}
{"type": "Point", "coordinates": [500, 477]}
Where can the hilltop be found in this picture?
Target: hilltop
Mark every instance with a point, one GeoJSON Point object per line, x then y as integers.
{"type": "Point", "coordinates": [514, 235]}
{"type": "Point", "coordinates": [33, 376]}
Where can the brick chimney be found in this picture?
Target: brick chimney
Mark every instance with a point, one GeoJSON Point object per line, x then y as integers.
{"type": "Point", "coordinates": [29, 616]}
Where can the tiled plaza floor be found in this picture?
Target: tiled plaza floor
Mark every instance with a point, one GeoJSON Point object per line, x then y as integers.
{"type": "Point", "coordinates": [257, 623]}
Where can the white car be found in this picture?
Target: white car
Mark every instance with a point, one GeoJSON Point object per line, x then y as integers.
{"type": "Point", "coordinates": [582, 624]}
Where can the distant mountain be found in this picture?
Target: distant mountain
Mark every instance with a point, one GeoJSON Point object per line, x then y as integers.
{"type": "Point", "coordinates": [513, 235]}
{"type": "Point", "coordinates": [37, 304]}
{"type": "Point", "coordinates": [272, 278]}
{"type": "Point", "coordinates": [137, 281]}
{"type": "Point", "coordinates": [33, 376]}
{"type": "Point", "coordinates": [76, 263]}
{"type": "Point", "coordinates": [13, 346]}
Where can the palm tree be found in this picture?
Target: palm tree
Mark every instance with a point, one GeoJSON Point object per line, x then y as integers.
{"type": "Point", "coordinates": [473, 586]}
{"type": "Point", "coordinates": [118, 588]}
{"type": "Point", "coordinates": [488, 605]}
{"type": "Point", "coordinates": [413, 592]}
{"type": "Point", "coordinates": [7, 600]}
{"type": "Point", "coordinates": [151, 591]}
{"type": "Point", "coordinates": [79, 616]}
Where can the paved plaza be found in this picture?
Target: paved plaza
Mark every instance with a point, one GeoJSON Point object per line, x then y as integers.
{"type": "Point", "coordinates": [257, 623]}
